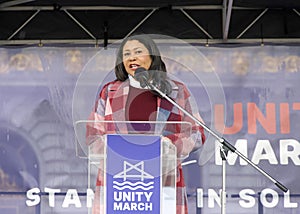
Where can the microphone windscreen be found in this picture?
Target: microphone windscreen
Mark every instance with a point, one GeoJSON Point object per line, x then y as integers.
{"type": "Point", "coordinates": [139, 70]}
{"type": "Point", "coordinates": [161, 82]}
{"type": "Point", "coordinates": [142, 76]}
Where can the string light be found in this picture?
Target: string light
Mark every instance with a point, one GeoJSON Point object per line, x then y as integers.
{"type": "Point", "coordinates": [97, 44]}
{"type": "Point", "coordinates": [206, 44]}
{"type": "Point", "coordinates": [40, 43]}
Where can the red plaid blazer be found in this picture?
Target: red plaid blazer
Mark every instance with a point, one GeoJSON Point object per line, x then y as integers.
{"type": "Point", "coordinates": [110, 106]}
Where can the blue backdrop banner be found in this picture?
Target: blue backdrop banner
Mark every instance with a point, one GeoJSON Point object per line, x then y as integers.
{"type": "Point", "coordinates": [250, 95]}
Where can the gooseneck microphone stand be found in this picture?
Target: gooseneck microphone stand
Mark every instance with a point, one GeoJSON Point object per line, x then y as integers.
{"type": "Point", "coordinates": [226, 146]}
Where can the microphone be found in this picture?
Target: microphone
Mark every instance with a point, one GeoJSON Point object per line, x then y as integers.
{"type": "Point", "coordinates": [154, 80]}
{"type": "Point", "coordinates": [142, 76]}
{"type": "Point", "coordinates": [160, 84]}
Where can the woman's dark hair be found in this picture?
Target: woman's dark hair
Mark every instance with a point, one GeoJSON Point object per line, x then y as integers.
{"type": "Point", "coordinates": [157, 63]}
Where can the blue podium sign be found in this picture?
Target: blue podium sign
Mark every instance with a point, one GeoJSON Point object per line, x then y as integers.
{"type": "Point", "coordinates": [133, 169]}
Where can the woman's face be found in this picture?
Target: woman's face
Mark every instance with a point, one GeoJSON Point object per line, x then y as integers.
{"type": "Point", "coordinates": [135, 55]}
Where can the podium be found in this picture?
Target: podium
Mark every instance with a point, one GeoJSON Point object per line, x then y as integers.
{"type": "Point", "coordinates": [132, 166]}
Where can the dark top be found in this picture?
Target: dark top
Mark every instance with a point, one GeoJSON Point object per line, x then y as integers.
{"type": "Point", "coordinates": [141, 105]}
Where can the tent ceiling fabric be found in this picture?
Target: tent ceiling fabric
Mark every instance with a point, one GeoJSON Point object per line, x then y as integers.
{"type": "Point", "coordinates": [90, 21]}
